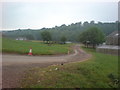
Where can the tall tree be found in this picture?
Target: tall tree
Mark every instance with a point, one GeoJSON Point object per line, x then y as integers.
{"type": "Point", "coordinates": [63, 39]}
{"type": "Point", "coordinates": [46, 36]}
{"type": "Point", "coordinates": [92, 36]}
{"type": "Point", "coordinates": [29, 37]}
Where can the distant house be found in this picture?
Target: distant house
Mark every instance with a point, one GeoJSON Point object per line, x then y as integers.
{"type": "Point", "coordinates": [21, 38]}
{"type": "Point", "coordinates": [111, 45]}
{"type": "Point", "coordinates": [113, 38]}
{"type": "Point", "coordinates": [68, 42]}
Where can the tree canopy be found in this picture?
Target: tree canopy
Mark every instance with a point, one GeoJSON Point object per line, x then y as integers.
{"type": "Point", "coordinates": [71, 31]}
{"type": "Point", "coordinates": [46, 36]}
{"type": "Point", "coordinates": [92, 36]}
{"type": "Point", "coordinates": [63, 39]}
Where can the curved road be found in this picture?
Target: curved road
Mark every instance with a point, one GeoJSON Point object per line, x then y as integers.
{"type": "Point", "coordinates": [13, 66]}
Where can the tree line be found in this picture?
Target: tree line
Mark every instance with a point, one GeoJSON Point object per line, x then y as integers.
{"type": "Point", "coordinates": [64, 32]}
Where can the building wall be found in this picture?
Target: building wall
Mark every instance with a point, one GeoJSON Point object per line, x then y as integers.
{"type": "Point", "coordinates": [109, 51]}
{"type": "Point", "coordinates": [112, 40]}
{"type": "Point", "coordinates": [20, 38]}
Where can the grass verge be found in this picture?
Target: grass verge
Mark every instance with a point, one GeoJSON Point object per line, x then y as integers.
{"type": "Point", "coordinates": [22, 47]}
{"type": "Point", "coordinates": [101, 71]}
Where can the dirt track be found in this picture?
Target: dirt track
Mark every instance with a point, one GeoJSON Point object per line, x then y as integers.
{"type": "Point", "coordinates": [13, 66]}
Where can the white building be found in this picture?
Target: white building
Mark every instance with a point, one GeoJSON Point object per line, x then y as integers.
{"type": "Point", "coordinates": [21, 38]}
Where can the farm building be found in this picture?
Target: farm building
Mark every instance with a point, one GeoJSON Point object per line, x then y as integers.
{"type": "Point", "coordinates": [21, 38]}
{"type": "Point", "coordinates": [112, 39]}
{"type": "Point", "coordinates": [111, 45]}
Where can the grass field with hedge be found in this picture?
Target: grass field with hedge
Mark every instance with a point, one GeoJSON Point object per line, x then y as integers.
{"type": "Point", "coordinates": [101, 71]}
{"type": "Point", "coordinates": [38, 48]}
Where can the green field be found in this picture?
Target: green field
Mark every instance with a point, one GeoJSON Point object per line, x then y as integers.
{"type": "Point", "coordinates": [101, 71]}
{"type": "Point", "coordinates": [38, 48]}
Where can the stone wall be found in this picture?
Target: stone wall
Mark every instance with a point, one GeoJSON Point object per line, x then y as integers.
{"type": "Point", "coordinates": [112, 51]}
{"type": "Point", "coordinates": [112, 40]}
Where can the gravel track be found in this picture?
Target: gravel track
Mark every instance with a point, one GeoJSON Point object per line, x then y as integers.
{"type": "Point", "coordinates": [14, 66]}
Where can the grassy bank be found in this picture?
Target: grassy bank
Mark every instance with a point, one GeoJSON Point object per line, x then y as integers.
{"type": "Point", "coordinates": [101, 71]}
{"type": "Point", "coordinates": [22, 47]}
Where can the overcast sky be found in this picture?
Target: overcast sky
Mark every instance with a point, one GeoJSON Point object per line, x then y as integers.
{"type": "Point", "coordinates": [36, 15]}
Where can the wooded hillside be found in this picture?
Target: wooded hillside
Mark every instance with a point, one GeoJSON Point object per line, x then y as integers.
{"type": "Point", "coordinates": [71, 31]}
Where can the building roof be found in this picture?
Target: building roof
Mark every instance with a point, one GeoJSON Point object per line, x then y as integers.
{"type": "Point", "coordinates": [114, 34]}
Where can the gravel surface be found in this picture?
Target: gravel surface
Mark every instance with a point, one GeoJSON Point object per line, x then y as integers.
{"type": "Point", "coordinates": [14, 66]}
